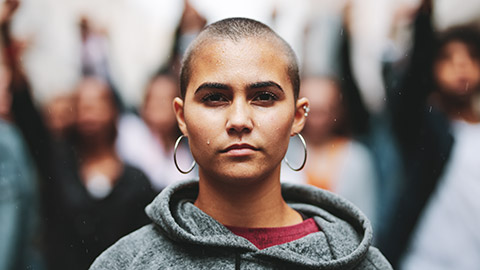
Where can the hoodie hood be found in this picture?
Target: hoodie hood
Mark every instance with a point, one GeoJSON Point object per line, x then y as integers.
{"type": "Point", "coordinates": [342, 243]}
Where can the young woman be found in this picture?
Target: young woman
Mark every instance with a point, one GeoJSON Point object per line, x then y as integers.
{"type": "Point", "coordinates": [148, 144]}
{"type": "Point", "coordinates": [438, 126]}
{"type": "Point", "coordinates": [239, 106]}
{"type": "Point", "coordinates": [336, 160]}
{"type": "Point", "coordinates": [95, 198]}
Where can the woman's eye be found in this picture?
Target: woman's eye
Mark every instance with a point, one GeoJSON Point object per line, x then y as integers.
{"type": "Point", "coordinates": [266, 97]}
{"type": "Point", "coordinates": [214, 98]}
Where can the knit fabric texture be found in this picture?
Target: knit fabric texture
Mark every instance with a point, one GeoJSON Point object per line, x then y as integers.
{"type": "Point", "coordinates": [184, 237]}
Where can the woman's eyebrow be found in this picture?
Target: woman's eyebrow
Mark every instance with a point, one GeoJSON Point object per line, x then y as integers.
{"type": "Point", "coordinates": [264, 85]}
{"type": "Point", "coordinates": [213, 85]}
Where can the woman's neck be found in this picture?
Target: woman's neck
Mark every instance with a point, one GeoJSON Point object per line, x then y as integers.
{"type": "Point", "coordinates": [257, 204]}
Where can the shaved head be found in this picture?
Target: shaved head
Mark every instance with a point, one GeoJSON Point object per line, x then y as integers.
{"type": "Point", "coordinates": [237, 29]}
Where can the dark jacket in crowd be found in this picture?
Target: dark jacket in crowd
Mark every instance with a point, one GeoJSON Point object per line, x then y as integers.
{"type": "Point", "coordinates": [424, 136]}
{"type": "Point", "coordinates": [80, 226]}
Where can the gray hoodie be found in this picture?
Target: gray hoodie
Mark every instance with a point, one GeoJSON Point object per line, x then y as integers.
{"type": "Point", "coordinates": [184, 237]}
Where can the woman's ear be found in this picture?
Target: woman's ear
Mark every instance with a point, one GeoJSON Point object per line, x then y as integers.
{"type": "Point", "coordinates": [301, 113]}
{"type": "Point", "coordinates": [179, 114]}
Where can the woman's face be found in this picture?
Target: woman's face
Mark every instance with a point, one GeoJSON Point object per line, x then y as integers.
{"type": "Point", "coordinates": [456, 71]}
{"type": "Point", "coordinates": [96, 113]}
{"type": "Point", "coordinates": [157, 110]}
{"type": "Point", "coordinates": [325, 106]}
{"type": "Point", "coordinates": [239, 109]}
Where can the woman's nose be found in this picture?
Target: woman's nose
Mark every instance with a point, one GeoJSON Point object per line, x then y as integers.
{"type": "Point", "coordinates": [239, 118]}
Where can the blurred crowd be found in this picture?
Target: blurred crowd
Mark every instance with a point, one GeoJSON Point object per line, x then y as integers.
{"type": "Point", "coordinates": [87, 129]}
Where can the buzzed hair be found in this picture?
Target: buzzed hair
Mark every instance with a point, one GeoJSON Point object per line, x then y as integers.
{"type": "Point", "coordinates": [237, 29]}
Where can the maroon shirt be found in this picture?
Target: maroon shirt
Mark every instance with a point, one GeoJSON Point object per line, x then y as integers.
{"type": "Point", "coordinates": [267, 237]}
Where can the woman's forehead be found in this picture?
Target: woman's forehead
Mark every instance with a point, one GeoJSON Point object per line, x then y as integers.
{"type": "Point", "coordinates": [225, 46]}
{"type": "Point", "coordinates": [249, 60]}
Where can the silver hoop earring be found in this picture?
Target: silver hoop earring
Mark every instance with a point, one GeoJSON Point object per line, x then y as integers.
{"type": "Point", "coordinates": [304, 156]}
{"type": "Point", "coordinates": [175, 156]}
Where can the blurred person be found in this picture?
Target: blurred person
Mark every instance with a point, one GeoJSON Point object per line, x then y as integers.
{"type": "Point", "coordinates": [19, 205]}
{"type": "Point", "coordinates": [336, 161]}
{"type": "Point", "coordinates": [97, 198]}
{"type": "Point", "coordinates": [20, 246]}
{"type": "Point", "coordinates": [161, 121]}
{"type": "Point", "coordinates": [19, 192]}
{"type": "Point", "coordinates": [372, 126]}
{"type": "Point", "coordinates": [437, 215]}
{"type": "Point", "coordinates": [79, 223]}
{"type": "Point", "coordinates": [446, 235]}
{"type": "Point", "coordinates": [149, 145]}
{"type": "Point", "coordinates": [156, 109]}
{"type": "Point", "coordinates": [132, 127]}
{"type": "Point", "coordinates": [238, 107]}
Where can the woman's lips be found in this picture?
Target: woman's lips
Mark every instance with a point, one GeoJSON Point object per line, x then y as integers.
{"type": "Point", "coordinates": [240, 150]}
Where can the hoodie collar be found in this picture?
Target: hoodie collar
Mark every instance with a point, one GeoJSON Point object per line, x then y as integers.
{"type": "Point", "coordinates": [342, 243]}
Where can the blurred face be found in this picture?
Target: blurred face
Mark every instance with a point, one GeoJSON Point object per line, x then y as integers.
{"type": "Point", "coordinates": [324, 98]}
{"type": "Point", "coordinates": [239, 109]}
{"type": "Point", "coordinates": [96, 114]}
{"type": "Point", "coordinates": [157, 110]}
{"type": "Point", "coordinates": [456, 72]}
